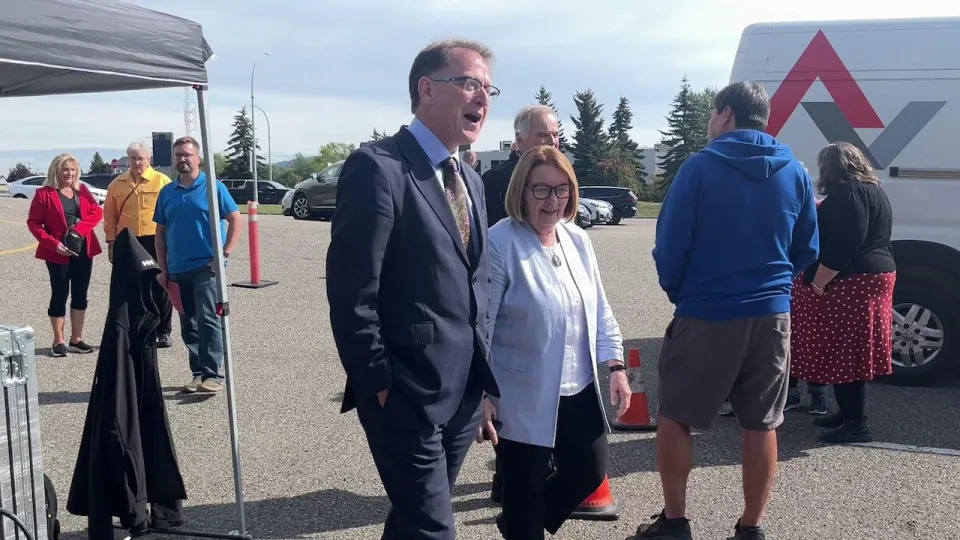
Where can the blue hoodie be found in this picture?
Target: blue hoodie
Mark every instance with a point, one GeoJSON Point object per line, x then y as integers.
{"type": "Point", "coordinates": [738, 224]}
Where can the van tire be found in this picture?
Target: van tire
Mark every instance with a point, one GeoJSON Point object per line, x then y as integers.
{"type": "Point", "coordinates": [928, 289]}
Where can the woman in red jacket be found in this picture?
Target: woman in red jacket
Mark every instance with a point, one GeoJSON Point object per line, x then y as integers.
{"type": "Point", "coordinates": [62, 205]}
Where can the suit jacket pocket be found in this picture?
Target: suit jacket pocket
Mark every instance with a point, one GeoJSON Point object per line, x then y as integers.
{"type": "Point", "coordinates": [416, 334]}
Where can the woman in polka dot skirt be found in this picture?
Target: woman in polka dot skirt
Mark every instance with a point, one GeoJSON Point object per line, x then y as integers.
{"type": "Point", "coordinates": [843, 304]}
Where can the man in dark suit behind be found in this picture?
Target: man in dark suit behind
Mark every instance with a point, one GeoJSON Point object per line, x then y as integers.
{"type": "Point", "coordinates": [407, 285]}
{"type": "Point", "coordinates": [534, 125]}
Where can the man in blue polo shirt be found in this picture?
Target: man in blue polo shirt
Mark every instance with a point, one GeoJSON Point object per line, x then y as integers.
{"type": "Point", "coordinates": [185, 256]}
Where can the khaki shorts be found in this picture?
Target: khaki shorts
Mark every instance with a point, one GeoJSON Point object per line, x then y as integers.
{"type": "Point", "coordinates": [702, 363]}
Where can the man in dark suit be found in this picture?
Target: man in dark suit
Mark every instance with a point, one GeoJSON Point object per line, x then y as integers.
{"type": "Point", "coordinates": [534, 125]}
{"type": "Point", "coordinates": [407, 285]}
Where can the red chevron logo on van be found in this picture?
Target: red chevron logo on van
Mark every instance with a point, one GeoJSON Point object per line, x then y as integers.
{"type": "Point", "coordinates": [821, 60]}
{"type": "Point", "coordinates": [849, 110]}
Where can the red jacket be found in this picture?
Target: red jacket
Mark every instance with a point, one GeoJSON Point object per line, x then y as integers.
{"type": "Point", "coordinates": [49, 225]}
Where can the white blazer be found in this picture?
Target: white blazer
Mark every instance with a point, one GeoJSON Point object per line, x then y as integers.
{"type": "Point", "coordinates": [526, 326]}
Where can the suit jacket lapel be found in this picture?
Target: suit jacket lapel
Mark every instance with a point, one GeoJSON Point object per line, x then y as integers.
{"type": "Point", "coordinates": [421, 170]}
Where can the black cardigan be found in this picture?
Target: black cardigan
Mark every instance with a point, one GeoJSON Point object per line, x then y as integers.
{"type": "Point", "coordinates": [855, 222]}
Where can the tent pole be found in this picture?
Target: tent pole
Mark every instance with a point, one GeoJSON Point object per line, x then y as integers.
{"type": "Point", "coordinates": [223, 303]}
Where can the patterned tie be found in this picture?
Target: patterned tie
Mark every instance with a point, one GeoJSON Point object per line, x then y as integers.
{"type": "Point", "coordinates": [456, 197]}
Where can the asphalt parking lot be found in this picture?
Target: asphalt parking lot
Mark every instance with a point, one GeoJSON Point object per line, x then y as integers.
{"type": "Point", "coordinates": [307, 470]}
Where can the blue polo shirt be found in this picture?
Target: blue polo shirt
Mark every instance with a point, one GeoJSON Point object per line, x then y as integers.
{"type": "Point", "coordinates": [185, 212]}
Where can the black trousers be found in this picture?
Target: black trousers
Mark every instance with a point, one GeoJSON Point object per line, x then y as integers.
{"type": "Point", "coordinates": [64, 278]}
{"type": "Point", "coordinates": [418, 461]}
{"type": "Point", "coordinates": [812, 387]}
{"type": "Point", "coordinates": [160, 296]}
{"type": "Point", "coordinates": [532, 500]}
{"type": "Point", "coordinates": [851, 400]}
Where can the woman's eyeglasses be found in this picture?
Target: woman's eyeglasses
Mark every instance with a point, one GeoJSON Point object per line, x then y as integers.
{"type": "Point", "coordinates": [542, 191]}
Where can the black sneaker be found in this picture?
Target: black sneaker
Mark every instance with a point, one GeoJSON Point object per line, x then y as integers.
{"type": "Point", "coordinates": [818, 404]}
{"type": "Point", "coordinates": [849, 432]}
{"type": "Point", "coordinates": [793, 401]}
{"type": "Point", "coordinates": [59, 350]}
{"type": "Point", "coordinates": [666, 529]}
{"type": "Point", "coordinates": [831, 421]}
{"type": "Point", "coordinates": [164, 341]}
{"type": "Point", "coordinates": [80, 347]}
{"type": "Point", "coordinates": [741, 532]}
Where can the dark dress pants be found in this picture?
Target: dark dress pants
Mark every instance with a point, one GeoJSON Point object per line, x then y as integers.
{"type": "Point", "coordinates": [533, 499]}
{"type": "Point", "coordinates": [418, 461]}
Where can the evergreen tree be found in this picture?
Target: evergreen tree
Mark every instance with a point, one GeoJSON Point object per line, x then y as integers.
{"type": "Point", "coordinates": [18, 172]}
{"type": "Point", "coordinates": [682, 137]}
{"type": "Point", "coordinates": [627, 149]}
{"type": "Point", "coordinates": [703, 104]}
{"type": "Point", "coordinates": [544, 97]}
{"type": "Point", "coordinates": [97, 165]}
{"type": "Point", "coordinates": [377, 135]}
{"type": "Point", "coordinates": [239, 149]}
{"type": "Point", "coordinates": [591, 140]}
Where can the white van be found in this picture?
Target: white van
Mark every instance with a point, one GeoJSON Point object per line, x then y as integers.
{"type": "Point", "coordinates": [892, 87]}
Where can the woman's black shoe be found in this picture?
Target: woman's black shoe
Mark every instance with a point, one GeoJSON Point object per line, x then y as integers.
{"type": "Point", "coordinates": [830, 421]}
{"type": "Point", "coordinates": [849, 432]}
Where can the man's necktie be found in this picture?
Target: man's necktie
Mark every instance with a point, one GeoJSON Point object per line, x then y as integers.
{"type": "Point", "coordinates": [456, 197]}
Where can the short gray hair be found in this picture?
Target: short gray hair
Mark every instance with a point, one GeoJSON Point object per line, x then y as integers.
{"type": "Point", "coordinates": [140, 146]}
{"type": "Point", "coordinates": [521, 123]}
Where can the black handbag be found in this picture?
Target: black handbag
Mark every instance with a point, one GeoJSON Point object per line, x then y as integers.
{"type": "Point", "coordinates": [74, 241]}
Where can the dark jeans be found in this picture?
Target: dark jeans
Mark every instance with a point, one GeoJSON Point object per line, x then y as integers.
{"type": "Point", "coordinates": [534, 501]}
{"type": "Point", "coordinates": [160, 296]}
{"type": "Point", "coordinates": [74, 276]}
{"type": "Point", "coordinates": [851, 400]}
{"type": "Point", "coordinates": [199, 323]}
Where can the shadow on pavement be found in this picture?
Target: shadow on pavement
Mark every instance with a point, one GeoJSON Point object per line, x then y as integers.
{"type": "Point", "coordinates": [913, 416]}
{"type": "Point", "coordinates": [295, 517]}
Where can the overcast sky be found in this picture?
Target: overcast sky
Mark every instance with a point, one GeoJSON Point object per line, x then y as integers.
{"type": "Point", "coordinates": [338, 69]}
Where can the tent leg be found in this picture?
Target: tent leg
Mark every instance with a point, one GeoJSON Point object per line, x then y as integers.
{"type": "Point", "coordinates": [223, 304]}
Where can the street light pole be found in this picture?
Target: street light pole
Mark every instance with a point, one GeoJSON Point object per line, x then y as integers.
{"type": "Point", "coordinates": [269, 143]}
{"type": "Point", "coordinates": [252, 206]}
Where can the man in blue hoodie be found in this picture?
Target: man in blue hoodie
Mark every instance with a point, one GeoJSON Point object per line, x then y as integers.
{"type": "Point", "coordinates": [738, 224]}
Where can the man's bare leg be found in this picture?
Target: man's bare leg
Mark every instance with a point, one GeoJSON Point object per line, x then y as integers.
{"type": "Point", "coordinates": [759, 470]}
{"type": "Point", "coordinates": [675, 459]}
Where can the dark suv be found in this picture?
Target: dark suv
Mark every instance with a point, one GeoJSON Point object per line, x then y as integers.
{"type": "Point", "coordinates": [623, 200]}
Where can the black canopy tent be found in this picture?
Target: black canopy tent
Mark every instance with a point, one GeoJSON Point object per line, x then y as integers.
{"type": "Point", "coordinates": [82, 46]}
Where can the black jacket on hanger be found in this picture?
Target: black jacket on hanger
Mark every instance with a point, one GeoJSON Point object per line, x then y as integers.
{"type": "Point", "coordinates": [127, 458]}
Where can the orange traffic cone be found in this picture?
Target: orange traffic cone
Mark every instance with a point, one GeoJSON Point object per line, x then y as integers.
{"type": "Point", "coordinates": [637, 415]}
{"type": "Point", "coordinates": [600, 506]}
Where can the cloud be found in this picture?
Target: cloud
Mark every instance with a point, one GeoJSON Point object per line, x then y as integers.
{"type": "Point", "coordinates": [337, 70]}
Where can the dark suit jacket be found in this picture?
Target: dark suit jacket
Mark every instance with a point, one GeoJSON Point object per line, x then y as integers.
{"type": "Point", "coordinates": [495, 184]}
{"type": "Point", "coordinates": [408, 304]}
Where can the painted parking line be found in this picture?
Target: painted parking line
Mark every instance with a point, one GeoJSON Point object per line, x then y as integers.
{"type": "Point", "coordinates": [21, 249]}
{"type": "Point", "coordinates": [910, 448]}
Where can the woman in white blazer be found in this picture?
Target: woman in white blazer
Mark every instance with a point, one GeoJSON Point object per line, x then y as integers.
{"type": "Point", "coordinates": [549, 327]}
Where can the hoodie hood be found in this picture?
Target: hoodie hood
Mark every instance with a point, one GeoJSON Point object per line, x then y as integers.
{"type": "Point", "coordinates": [754, 153]}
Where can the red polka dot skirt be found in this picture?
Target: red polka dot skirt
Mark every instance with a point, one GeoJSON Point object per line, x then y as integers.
{"type": "Point", "coordinates": [846, 334]}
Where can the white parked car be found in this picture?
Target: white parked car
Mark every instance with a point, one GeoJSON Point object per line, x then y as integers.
{"type": "Point", "coordinates": [601, 212]}
{"type": "Point", "coordinates": [26, 187]}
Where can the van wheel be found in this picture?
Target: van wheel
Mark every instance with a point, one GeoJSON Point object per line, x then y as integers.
{"type": "Point", "coordinates": [616, 217]}
{"type": "Point", "coordinates": [926, 326]}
